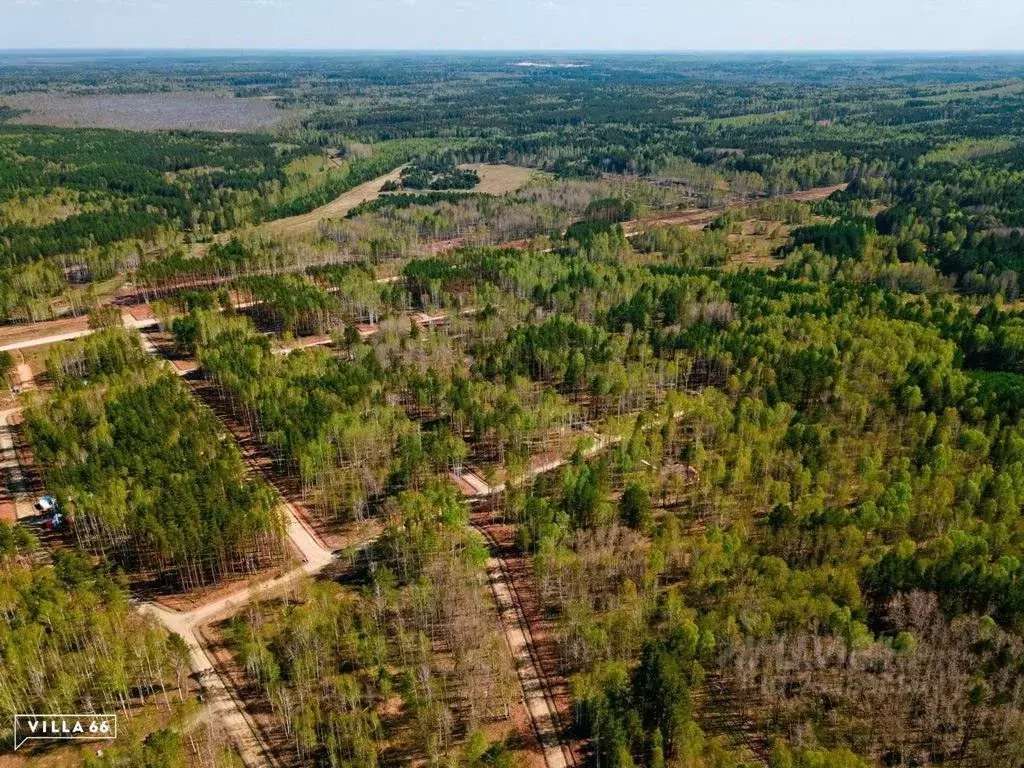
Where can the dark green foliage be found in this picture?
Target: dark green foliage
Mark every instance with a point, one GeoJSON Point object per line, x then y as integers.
{"type": "Point", "coordinates": [144, 474]}
{"type": "Point", "coordinates": [843, 239]}
{"type": "Point", "coordinates": [438, 172]}
{"type": "Point", "coordinates": [63, 625]}
{"type": "Point", "coordinates": [400, 201]}
{"type": "Point", "coordinates": [130, 170]}
{"type": "Point", "coordinates": [635, 507]}
{"type": "Point", "coordinates": [611, 209]}
{"type": "Point", "coordinates": [7, 365]}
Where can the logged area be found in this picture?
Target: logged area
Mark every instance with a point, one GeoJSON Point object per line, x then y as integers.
{"type": "Point", "coordinates": [145, 111]}
{"type": "Point", "coordinates": [444, 410]}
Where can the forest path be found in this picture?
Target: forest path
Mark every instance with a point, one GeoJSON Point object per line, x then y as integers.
{"type": "Point", "coordinates": [222, 707]}
{"type": "Point", "coordinates": [537, 694]}
{"type": "Point", "coordinates": [225, 709]}
{"type": "Point", "coordinates": [15, 484]}
{"type": "Point", "coordinates": [482, 489]}
{"type": "Point", "coordinates": [53, 338]}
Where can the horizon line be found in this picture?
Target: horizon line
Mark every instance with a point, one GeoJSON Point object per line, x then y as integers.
{"type": "Point", "coordinates": [544, 51]}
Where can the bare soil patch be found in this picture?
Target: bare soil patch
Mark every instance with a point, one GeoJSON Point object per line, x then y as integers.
{"type": "Point", "coordinates": [818, 193]}
{"type": "Point", "coordinates": [695, 218]}
{"type": "Point", "coordinates": [146, 111]}
{"type": "Point", "coordinates": [187, 601]}
{"type": "Point", "coordinates": [13, 334]}
{"type": "Point", "coordinates": [26, 377]}
{"type": "Point", "coordinates": [141, 312]}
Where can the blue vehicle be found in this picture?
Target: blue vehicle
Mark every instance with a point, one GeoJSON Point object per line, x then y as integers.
{"type": "Point", "coordinates": [45, 504]}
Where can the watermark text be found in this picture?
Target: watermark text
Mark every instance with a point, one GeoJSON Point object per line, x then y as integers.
{"type": "Point", "coordinates": [66, 726]}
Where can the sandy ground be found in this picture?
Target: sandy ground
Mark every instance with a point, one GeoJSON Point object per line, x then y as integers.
{"type": "Point", "coordinates": [26, 377]}
{"type": "Point", "coordinates": [818, 193]}
{"type": "Point", "coordinates": [12, 335]}
{"type": "Point", "coordinates": [539, 700]}
{"type": "Point", "coordinates": [15, 489]}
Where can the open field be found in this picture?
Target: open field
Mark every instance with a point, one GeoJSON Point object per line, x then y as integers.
{"type": "Point", "coordinates": [494, 180]}
{"type": "Point", "coordinates": [146, 111]}
{"type": "Point", "coordinates": [501, 179]}
{"type": "Point", "coordinates": [294, 226]}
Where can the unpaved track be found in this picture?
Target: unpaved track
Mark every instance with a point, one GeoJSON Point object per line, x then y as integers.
{"type": "Point", "coordinates": [536, 690]}
{"type": "Point", "coordinates": [222, 706]}
{"type": "Point", "coordinates": [224, 709]}
{"type": "Point", "coordinates": [11, 474]}
{"type": "Point", "coordinates": [495, 179]}
{"type": "Point", "coordinates": [27, 343]}
{"type": "Point", "coordinates": [41, 341]}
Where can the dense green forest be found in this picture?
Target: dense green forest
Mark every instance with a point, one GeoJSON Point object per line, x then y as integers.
{"type": "Point", "coordinates": [935, 140]}
{"type": "Point", "coordinates": [732, 385]}
{"type": "Point", "coordinates": [143, 473]}
{"type": "Point", "coordinates": [807, 486]}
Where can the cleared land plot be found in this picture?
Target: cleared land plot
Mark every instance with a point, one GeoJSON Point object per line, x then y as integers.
{"type": "Point", "coordinates": [817, 193]}
{"type": "Point", "coordinates": [12, 336]}
{"type": "Point", "coordinates": [494, 180]}
{"type": "Point", "coordinates": [501, 179]}
{"type": "Point", "coordinates": [307, 222]}
{"type": "Point", "coordinates": [146, 111]}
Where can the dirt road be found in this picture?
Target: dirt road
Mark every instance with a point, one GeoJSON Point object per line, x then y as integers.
{"type": "Point", "coordinates": [52, 338]}
{"type": "Point", "coordinates": [15, 490]}
{"type": "Point", "coordinates": [221, 705]}
{"type": "Point", "coordinates": [40, 341]}
{"type": "Point", "coordinates": [536, 692]}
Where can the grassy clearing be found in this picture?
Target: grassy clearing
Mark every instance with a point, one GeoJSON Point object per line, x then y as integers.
{"type": "Point", "coordinates": [501, 179]}
{"type": "Point", "coordinates": [294, 226]}
{"type": "Point", "coordinates": [969, 149]}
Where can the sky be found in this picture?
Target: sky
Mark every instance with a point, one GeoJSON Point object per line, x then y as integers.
{"type": "Point", "coordinates": [658, 25]}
